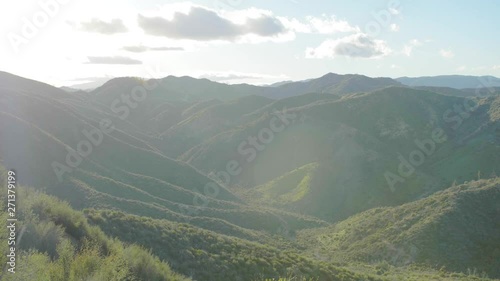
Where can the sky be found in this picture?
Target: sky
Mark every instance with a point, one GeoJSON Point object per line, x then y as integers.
{"type": "Point", "coordinates": [67, 42]}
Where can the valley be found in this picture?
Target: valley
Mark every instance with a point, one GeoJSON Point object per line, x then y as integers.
{"type": "Point", "coordinates": [342, 177]}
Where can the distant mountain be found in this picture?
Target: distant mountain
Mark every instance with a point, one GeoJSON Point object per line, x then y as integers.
{"type": "Point", "coordinates": [68, 89]}
{"type": "Point", "coordinates": [13, 83]}
{"type": "Point", "coordinates": [452, 81]}
{"type": "Point", "coordinates": [192, 89]}
{"type": "Point", "coordinates": [332, 83]}
{"type": "Point", "coordinates": [91, 85]}
{"type": "Point", "coordinates": [184, 88]}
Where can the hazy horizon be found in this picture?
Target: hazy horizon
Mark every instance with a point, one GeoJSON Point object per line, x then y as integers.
{"type": "Point", "coordinates": [64, 42]}
{"type": "Point", "coordinates": [83, 82]}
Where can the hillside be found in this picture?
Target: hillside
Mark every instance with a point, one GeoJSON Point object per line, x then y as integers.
{"type": "Point", "coordinates": [55, 242]}
{"type": "Point", "coordinates": [456, 229]}
{"type": "Point", "coordinates": [122, 172]}
{"type": "Point", "coordinates": [353, 141]}
{"type": "Point", "coordinates": [204, 255]}
{"type": "Point", "coordinates": [202, 122]}
{"type": "Point", "coordinates": [332, 83]}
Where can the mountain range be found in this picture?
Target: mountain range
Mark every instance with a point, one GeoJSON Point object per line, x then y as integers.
{"type": "Point", "coordinates": [342, 177]}
{"type": "Point", "coordinates": [452, 81]}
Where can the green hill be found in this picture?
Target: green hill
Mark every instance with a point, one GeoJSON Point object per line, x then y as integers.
{"type": "Point", "coordinates": [357, 141]}
{"type": "Point", "coordinates": [55, 242]}
{"type": "Point", "coordinates": [455, 229]}
{"type": "Point", "coordinates": [286, 189]}
{"type": "Point", "coordinates": [204, 255]}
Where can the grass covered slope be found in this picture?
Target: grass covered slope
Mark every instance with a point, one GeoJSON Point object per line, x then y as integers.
{"type": "Point", "coordinates": [287, 189]}
{"type": "Point", "coordinates": [206, 255]}
{"type": "Point", "coordinates": [56, 243]}
{"type": "Point", "coordinates": [457, 228]}
{"type": "Point", "coordinates": [357, 141]}
{"type": "Point", "coordinates": [201, 123]}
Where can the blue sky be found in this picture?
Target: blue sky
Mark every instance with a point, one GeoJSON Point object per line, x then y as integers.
{"type": "Point", "coordinates": [245, 41]}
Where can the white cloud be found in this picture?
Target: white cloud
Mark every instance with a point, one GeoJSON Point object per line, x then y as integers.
{"type": "Point", "coordinates": [394, 11]}
{"type": "Point", "coordinates": [193, 22]}
{"type": "Point", "coordinates": [461, 68]}
{"type": "Point", "coordinates": [189, 23]}
{"type": "Point", "coordinates": [320, 25]}
{"type": "Point", "coordinates": [103, 27]}
{"type": "Point", "coordinates": [112, 60]}
{"type": "Point", "coordinates": [329, 25]}
{"type": "Point", "coordinates": [446, 54]}
{"type": "Point", "coordinates": [356, 45]}
{"type": "Point", "coordinates": [408, 48]}
{"type": "Point", "coordinates": [394, 27]}
{"type": "Point", "coordinates": [202, 24]}
{"type": "Point", "coordinates": [496, 67]}
{"type": "Point", "coordinates": [240, 16]}
{"type": "Point", "coordinates": [415, 42]}
{"type": "Point", "coordinates": [296, 25]}
{"type": "Point", "coordinates": [142, 48]}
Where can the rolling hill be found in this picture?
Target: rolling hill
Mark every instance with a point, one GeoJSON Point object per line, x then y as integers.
{"type": "Point", "coordinates": [462, 215]}
{"type": "Point", "coordinates": [352, 140]}
{"type": "Point", "coordinates": [55, 242]}
{"type": "Point", "coordinates": [245, 181]}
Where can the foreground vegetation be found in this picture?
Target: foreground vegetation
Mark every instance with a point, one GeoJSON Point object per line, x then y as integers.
{"type": "Point", "coordinates": [56, 243]}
